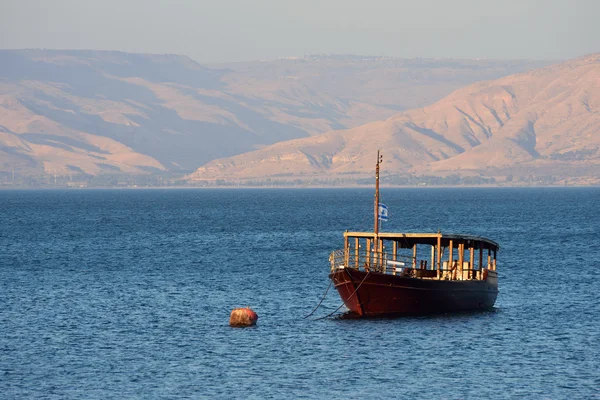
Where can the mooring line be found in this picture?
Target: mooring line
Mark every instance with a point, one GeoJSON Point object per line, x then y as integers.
{"type": "Point", "coordinates": [341, 305]}
{"type": "Point", "coordinates": [322, 298]}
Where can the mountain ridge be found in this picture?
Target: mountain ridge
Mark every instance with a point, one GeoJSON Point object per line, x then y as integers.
{"type": "Point", "coordinates": [527, 122]}
{"type": "Point", "coordinates": [70, 112]}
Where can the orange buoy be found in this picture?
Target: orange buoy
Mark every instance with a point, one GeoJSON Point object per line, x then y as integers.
{"type": "Point", "coordinates": [241, 317]}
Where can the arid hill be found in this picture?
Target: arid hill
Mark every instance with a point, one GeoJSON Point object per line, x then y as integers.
{"type": "Point", "coordinates": [542, 123]}
{"type": "Point", "coordinates": [97, 112]}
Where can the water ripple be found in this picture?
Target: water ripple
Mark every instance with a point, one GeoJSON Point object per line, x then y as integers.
{"type": "Point", "coordinates": [127, 294]}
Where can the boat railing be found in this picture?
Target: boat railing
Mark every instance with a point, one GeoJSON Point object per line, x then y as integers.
{"type": "Point", "coordinates": [384, 262]}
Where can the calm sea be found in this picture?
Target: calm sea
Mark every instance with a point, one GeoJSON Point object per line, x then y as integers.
{"type": "Point", "coordinates": [127, 294]}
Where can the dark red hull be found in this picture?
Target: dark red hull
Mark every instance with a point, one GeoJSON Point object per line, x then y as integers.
{"type": "Point", "coordinates": [383, 294]}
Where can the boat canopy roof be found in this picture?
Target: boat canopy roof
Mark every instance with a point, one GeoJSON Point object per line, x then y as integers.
{"type": "Point", "coordinates": [410, 239]}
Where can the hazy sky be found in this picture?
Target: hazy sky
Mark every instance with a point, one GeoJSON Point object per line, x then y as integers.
{"type": "Point", "coordinates": [238, 30]}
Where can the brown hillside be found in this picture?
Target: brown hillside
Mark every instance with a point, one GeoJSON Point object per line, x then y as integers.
{"type": "Point", "coordinates": [544, 119]}
{"type": "Point", "coordinates": [93, 112]}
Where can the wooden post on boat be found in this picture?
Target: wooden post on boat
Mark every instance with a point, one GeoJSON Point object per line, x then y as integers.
{"type": "Point", "coordinates": [346, 251]}
{"type": "Point", "coordinates": [450, 255]}
{"type": "Point", "coordinates": [376, 206]}
{"type": "Point", "coordinates": [356, 247]}
{"type": "Point", "coordinates": [394, 255]}
{"type": "Point", "coordinates": [461, 259]}
{"type": "Point", "coordinates": [414, 256]}
{"type": "Point", "coordinates": [439, 255]}
{"type": "Point", "coordinates": [368, 255]}
{"type": "Point", "coordinates": [489, 266]}
{"type": "Point", "coordinates": [380, 255]}
{"type": "Point", "coordinates": [472, 261]}
{"type": "Point", "coordinates": [494, 265]}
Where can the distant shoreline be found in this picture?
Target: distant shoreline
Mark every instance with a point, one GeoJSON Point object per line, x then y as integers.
{"type": "Point", "coordinates": [366, 187]}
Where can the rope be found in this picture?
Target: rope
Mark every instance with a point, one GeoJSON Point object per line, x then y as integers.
{"type": "Point", "coordinates": [320, 302]}
{"type": "Point", "coordinates": [341, 305]}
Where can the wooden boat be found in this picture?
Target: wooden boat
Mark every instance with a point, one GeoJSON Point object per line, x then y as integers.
{"type": "Point", "coordinates": [390, 274]}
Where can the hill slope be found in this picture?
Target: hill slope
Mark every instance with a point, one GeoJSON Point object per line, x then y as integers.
{"type": "Point", "coordinates": [546, 121]}
{"type": "Point", "coordinates": [95, 112]}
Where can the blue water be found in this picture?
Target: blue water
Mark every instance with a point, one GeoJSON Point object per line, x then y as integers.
{"type": "Point", "coordinates": [127, 294]}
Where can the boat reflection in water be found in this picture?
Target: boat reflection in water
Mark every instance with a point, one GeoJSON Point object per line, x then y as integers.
{"type": "Point", "coordinates": [390, 274]}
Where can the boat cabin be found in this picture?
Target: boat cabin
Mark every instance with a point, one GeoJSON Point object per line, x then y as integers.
{"type": "Point", "coordinates": [418, 255]}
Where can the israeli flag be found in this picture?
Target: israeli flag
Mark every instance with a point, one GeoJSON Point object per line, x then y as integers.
{"type": "Point", "coordinates": [383, 212]}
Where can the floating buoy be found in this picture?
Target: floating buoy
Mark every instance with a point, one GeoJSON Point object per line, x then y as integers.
{"type": "Point", "coordinates": [242, 317]}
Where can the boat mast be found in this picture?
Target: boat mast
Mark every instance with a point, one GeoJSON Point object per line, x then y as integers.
{"type": "Point", "coordinates": [376, 229]}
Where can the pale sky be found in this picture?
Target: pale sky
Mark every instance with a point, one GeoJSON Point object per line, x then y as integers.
{"type": "Point", "coordinates": [241, 30]}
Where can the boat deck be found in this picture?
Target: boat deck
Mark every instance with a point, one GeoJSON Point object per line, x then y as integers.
{"type": "Point", "coordinates": [418, 255]}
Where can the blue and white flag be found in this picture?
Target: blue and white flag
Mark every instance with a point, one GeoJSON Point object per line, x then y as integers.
{"type": "Point", "coordinates": [383, 212]}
